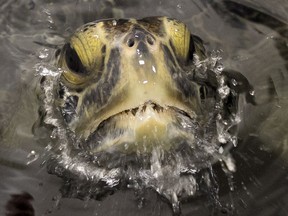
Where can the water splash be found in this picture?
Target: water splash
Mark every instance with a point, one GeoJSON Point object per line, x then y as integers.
{"type": "Point", "coordinates": [174, 174]}
{"type": "Point", "coordinates": [32, 157]}
{"type": "Point", "coordinates": [43, 53]}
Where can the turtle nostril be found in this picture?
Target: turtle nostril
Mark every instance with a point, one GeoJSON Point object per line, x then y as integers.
{"type": "Point", "coordinates": [130, 42]}
{"type": "Point", "coordinates": [150, 40]}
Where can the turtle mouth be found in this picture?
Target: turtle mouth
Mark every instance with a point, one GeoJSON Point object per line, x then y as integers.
{"type": "Point", "coordinates": [152, 106]}
{"type": "Point", "coordinates": [142, 128]}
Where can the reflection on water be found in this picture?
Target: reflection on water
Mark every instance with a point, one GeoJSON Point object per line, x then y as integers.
{"type": "Point", "coordinates": [252, 38]}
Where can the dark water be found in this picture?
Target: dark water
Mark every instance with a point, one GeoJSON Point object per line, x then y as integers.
{"type": "Point", "coordinates": [252, 38]}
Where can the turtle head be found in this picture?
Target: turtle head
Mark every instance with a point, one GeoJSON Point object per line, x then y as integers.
{"type": "Point", "coordinates": [126, 85]}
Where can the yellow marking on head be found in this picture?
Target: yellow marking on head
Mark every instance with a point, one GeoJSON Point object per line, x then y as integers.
{"type": "Point", "coordinates": [179, 36]}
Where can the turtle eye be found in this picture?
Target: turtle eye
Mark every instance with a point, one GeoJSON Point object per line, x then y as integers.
{"type": "Point", "coordinates": [72, 60]}
{"type": "Point", "coordinates": [74, 70]}
{"type": "Point", "coordinates": [82, 57]}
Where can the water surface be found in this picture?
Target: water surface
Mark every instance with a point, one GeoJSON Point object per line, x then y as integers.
{"type": "Point", "coordinates": [251, 37]}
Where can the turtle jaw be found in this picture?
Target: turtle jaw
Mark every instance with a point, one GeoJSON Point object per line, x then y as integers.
{"type": "Point", "coordinates": [142, 129]}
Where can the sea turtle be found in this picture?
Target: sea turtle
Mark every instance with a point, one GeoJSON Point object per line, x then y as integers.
{"type": "Point", "coordinates": [173, 170]}
{"type": "Point", "coordinates": [138, 102]}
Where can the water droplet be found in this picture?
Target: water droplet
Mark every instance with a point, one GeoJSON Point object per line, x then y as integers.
{"type": "Point", "coordinates": [270, 37]}
{"type": "Point", "coordinates": [231, 187]}
{"type": "Point", "coordinates": [224, 91]}
{"type": "Point", "coordinates": [237, 119]}
{"type": "Point", "coordinates": [145, 82]}
{"type": "Point", "coordinates": [54, 133]}
{"type": "Point", "coordinates": [44, 53]}
{"type": "Point", "coordinates": [230, 163]}
{"type": "Point", "coordinates": [48, 147]}
{"type": "Point", "coordinates": [45, 70]}
{"type": "Point", "coordinates": [234, 141]}
{"type": "Point", "coordinates": [141, 62]}
{"type": "Point", "coordinates": [57, 200]}
{"type": "Point", "coordinates": [220, 68]}
{"type": "Point", "coordinates": [179, 6]}
{"type": "Point", "coordinates": [32, 156]}
{"type": "Point", "coordinates": [49, 17]}
{"type": "Point", "coordinates": [221, 150]}
{"type": "Point", "coordinates": [141, 202]}
{"type": "Point", "coordinates": [175, 202]}
{"type": "Point", "coordinates": [246, 189]}
{"type": "Point", "coordinates": [252, 92]}
{"type": "Point", "coordinates": [222, 138]}
{"type": "Point", "coordinates": [114, 22]}
{"type": "Point", "coordinates": [234, 82]}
